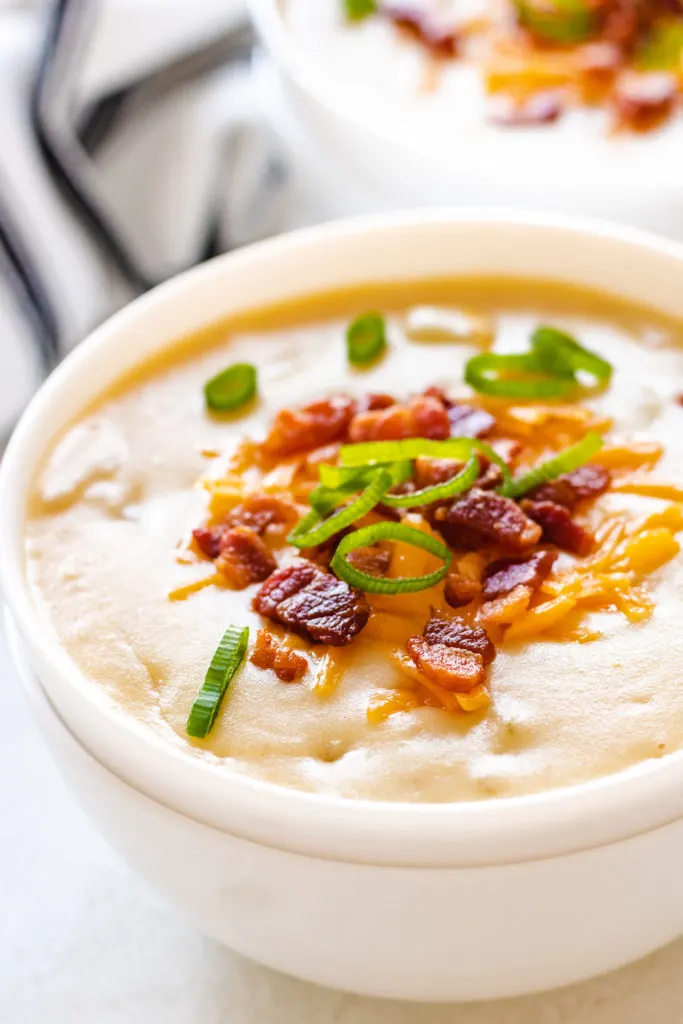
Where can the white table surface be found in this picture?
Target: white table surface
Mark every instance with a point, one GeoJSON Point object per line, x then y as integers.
{"type": "Point", "coordinates": [83, 942]}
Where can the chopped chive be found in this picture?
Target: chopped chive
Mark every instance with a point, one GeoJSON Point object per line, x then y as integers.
{"type": "Point", "coordinates": [559, 353]}
{"type": "Point", "coordinates": [366, 339]}
{"type": "Point", "coordinates": [558, 21]}
{"type": "Point", "coordinates": [515, 376]}
{"type": "Point", "coordinates": [313, 530]}
{"type": "Point", "coordinates": [382, 584]}
{"type": "Point", "coordinates": [224, 664]}
{"type": "Point", "coordinates": [231, 388]}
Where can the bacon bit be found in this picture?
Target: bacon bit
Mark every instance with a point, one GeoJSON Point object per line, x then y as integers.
{"type": "Point", "coordinates": [244, 558]}
{"type": "Point", "coordinates": [441, 41]}
{"type": "Point", "coordinates": [264, 513]}
{"type": "Point", "coordinates": [375, 401]}
{"type": "Point", "coordinates": [586, 482]}
{"type": "Point", "coordinates": [503, 576]}
{"type": "Point", "coordinates": [558, 526]}
{"type": "Point", "coordinates": [383, 704]}
{"type": "Point", "coordinates": [622, 25]}
{"type": "Point", "coordinates": [429, 472]}
{"type": "Point", "coordinates": [455, 632]}
{"type": "Point", "coordinates": [486, 516]}
{"type": "Point", "coordinates": [423, 417]}
{"type": "Point", "coordinates": [310, 601]}
{"type": "Point", "coordinates": [541, 618]}
{"type": "Point", "coordinates": [512, 112]}
{"type": "Point", "coordinates": [508, 608]}
{"type": "Point", "coordinates": [468, 421]}
{"type": "Point", "coordinates": [272, 653]}
{"type": "Point", "coordinates": [317, 424]}
{"type": "Point", "coordinates": [459, 590]}
{"type": "Point", "coordinates": [453, 668]}
{"type": "Point", "coordinates": [371, 560]}
{"type": "Point", "coordinates": [434, 391]}
{"type": "Point", "coordinates": [597, 65]}
{"type": "Point", "coordinates": [208, 542]}
{"type": "Point", "coordinates": [643, 101]}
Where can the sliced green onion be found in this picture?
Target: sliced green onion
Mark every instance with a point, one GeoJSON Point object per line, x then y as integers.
{"type": "Point", "coordinates": [324, 497]}
{"type": "Point", "coordinates": [663, 47]}
{"type": "Point", "coordinates": [558, 21]}
{"type": "Point", "coordinates": [366, 339]}
{"type": "Point", "coordinates": [356, 10]}
{"type": "Point", "coordinates": [380, 584]}
{"type": "Point", "coordinates": [559, 353]}
{"type": "Point", "coordinates": [379, 452]}
{"type": "Point", "coordinates": [345, 476]}
{"type": "Point", "coordinates": [438, 492]}
{"type": "Point", "coordinates": [563, 462]}
{"type": "Point", "coordinates": [313, 530]}
{"type": "Point", "coordinates": [369, 452]}
{"type": "Point", "coordinates": [488, 374]}
{"type": "Point", "coordinates": [224, 665]}
{"type": "Point", "coordinates": [231, 388]}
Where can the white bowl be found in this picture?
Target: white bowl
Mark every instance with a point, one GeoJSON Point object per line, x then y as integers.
{"type": "Point", "coordinates": [381, 156]}
{"type": "Point", "coordinates": [431, 901]}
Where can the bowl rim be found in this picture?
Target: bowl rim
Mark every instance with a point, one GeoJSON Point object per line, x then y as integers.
{"type": "Point", "coordinates": [503, 830]}
{"type": "Point", "coordinates": [268, 17]}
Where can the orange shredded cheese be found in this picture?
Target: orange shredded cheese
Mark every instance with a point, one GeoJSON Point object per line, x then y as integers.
{"type": "Point", "coordinates": [385, 703]}
{"type": "Point", "coordinates": [182, 593]}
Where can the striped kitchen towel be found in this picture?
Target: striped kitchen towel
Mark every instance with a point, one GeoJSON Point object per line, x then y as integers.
{"type": "Point", "coordinates": [130, 150]}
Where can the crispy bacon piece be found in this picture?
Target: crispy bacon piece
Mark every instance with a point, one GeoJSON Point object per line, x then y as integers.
{"type": "Point", "coordinates": [558, 526]}
{"type": "Point", "coordinates": [459, 590]}
{"type": "Point", "coordinates": [588, 481]}
{"type": "Point", "coordinates": [208, 541]}
{"type": "Point", "coordinates": [622, 24]}
{"type": "Point", "coordinates": [484, 516]}
{"type": "Point", "coordinates": [425, 416]}
{"type": "Point", "coordinates": [468, 421]}
{"type": "Point", "coordinates": [503, 576]}
{"type": "Point", "coordinates": [310, 601]}
{"type": "Point", "coordinates": [374, 401]}
{"type": "Point", "coordinates": [439, 39]}
{"type": "Point", "coordinates": [455, 632]}
{"type": "Point", "coordinates": [371, 560]}
{"type": "Point", "coordinates": [263, 513]}
{"type": "Point", "coordinates": [272, 653]}
{"type": "Point", "coordinates": [429, 472]}
{"type": "Point", "coordinates": [501, 611]}
{"type": "Point", "coordinates": [317, 424]}
{"type": "Point", "coordinates": [434, 391]}
{"type": "Point", "coordinates": [643, 101]}
{"type": "Point", "coordinates": [453, 668]}
{"type": "Point", "coordinates": [244, 558]}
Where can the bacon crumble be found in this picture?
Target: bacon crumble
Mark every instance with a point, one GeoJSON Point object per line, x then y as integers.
{"type": "Point", "coordinates": [243, 557]}
{"type": "Point", "coordinates": [586, 482]}
{"type": "Point", "coordinates": [484, 516]}
{"type": "Point", "coordinates": [452, 654]}
{"type": "Point", "coordinates": [503, 575]}
{"type": "Point", "coordinates": [455, 632]}
{"type": "Point", "coordinates": [424, 416]}
{"type": "Point", "coordinates": [317, 424]}
{"type": "Point", "coordinates": [314, 603]}
{"type": "Point", "coordinates": [270, 652]}
{"type": "Point", "coordinates": [558, 526]}
{"type": "Point", "coordinates": [458, 590]}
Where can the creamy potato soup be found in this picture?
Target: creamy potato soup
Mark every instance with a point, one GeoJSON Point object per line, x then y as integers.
{"type": "Point", "coordinates": [598, 78]}
{"type": "Point", "coordinates": [406, 542]}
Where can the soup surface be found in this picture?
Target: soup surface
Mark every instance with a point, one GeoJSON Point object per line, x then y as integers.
{"type": "Point", "coordinates": [586, 677]}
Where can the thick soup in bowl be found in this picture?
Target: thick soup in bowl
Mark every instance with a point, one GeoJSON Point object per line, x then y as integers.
{"type": "Point", "coordinates": [404, 542]}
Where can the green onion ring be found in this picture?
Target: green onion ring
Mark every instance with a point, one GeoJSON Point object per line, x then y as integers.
{"type": "Point", "coordinates": [563, 462]}
{"type": "Point", "coordinates": [366, 339]}
{"type": "Point", "coordinates": [224, 664]}
{"type": "Point", "coordinates": [482, 372]}
{"type": "Point", "coordinates": [379, 452]}
{"type": "Point", "coordinates": [345, 476]}
{"type": "Point", "coordinates": [325, 498]}
{"type": "Point", "coordinates": [462, 481]}
{"type": "Point", "coordinates": [231, 388]}
{"type": "Point", "coordinates": [558, 353]}
{"type": "Point", "coordinates": [356, 10]}
{"type": "Point", "coordinates": [380, 584]}
{"type": "Point", "coordinates": [561, 21]}
{"type": "Point", "coordinates": [312, 530]}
